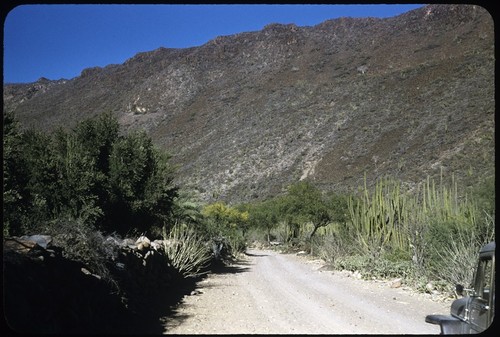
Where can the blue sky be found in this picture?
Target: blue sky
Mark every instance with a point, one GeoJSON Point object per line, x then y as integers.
{"type": "Point", "coordinates": [59, 41]}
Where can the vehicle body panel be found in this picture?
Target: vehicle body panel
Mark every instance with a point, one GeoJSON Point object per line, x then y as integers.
{"type": "Point", "coordinates": [473, 313]}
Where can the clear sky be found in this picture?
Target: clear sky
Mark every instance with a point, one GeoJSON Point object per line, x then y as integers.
{"type": "Point", "coordinates": [59, 41]}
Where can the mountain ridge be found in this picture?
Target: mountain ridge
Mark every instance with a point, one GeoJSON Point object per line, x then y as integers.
{"type": "Point", "coordinates": [245, 115]}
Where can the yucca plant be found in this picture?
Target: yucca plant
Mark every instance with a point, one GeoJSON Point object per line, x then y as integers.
{"type": "Point", "coordinates": [186, 250]}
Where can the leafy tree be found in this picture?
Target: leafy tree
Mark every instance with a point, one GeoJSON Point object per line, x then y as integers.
{"type": "Point", "coordinates": [15, 177]}
{"type": "Point", "coordinates": [160, 192]}
{"type": "Point", "coordinates": [90, 174]}
{"type": "Point", "coordinates": [77, 178]}
{"type": "Point", "coordinates": [337, 205]}
{"type": "Point", "coordinates": [264, 215]}
{"type": "Point", "coordinates": [43, 177]}
{"type": "Point", "coordinates": [226, 215]}
{"type": "Point", "coordinates": [225, 226]}
{"type": "Point", "coordinates": [97, 136]}
{"type": "Point", "coordinates": [305, 203]}
{"type": "Point", "coordinates": [141, 184]}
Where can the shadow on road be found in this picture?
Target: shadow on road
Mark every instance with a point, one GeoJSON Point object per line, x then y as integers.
{"type": "Point", "coordinates": [257, 255]}
{"type": "Point", "coordinates": [234, 267]}
{"type": "Point", "coordinates": [174, 316]}
{"type": "Point", "coordinates": [152, 319]}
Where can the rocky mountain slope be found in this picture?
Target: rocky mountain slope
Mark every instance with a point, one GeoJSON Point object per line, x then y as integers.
{"type": "Point", "coordinates": [247, 114]}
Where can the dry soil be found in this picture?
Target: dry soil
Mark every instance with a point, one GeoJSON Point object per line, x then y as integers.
{"type": "Point", "coordinates": [267, 292]}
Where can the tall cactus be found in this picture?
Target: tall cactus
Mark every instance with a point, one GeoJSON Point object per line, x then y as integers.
{"type": "Point", "coordinates": [378, 218]}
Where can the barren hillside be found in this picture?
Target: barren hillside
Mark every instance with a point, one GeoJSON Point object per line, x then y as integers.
{"type": "Point", "coordinates": [245, 115]}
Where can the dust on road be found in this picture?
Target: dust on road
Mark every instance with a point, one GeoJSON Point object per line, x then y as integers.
{"type": "Point", "coordinates": [271, 293]}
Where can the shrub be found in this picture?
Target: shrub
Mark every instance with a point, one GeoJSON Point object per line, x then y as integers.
{"type": "Point", "coordinates": [380, 268]}
{"type": "Point", "coordinates": [456, 261]}
{"type": "Point", "coordinates": [225, 226]}
{"type": "Point", "coordinates": [82, 242]}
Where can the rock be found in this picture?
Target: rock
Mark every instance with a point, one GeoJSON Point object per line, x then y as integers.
{"type": "Point", "coordinates": [41, 240]}
{"type": "Point", "coordinates": [396, 283]}
{"type": "Point", "coordinates": [429, 287]}
{"type": "Point", "coordinates": [47, 275]}
{"type": "Point", "coordinates": [128, 242]}
{"type": "Point", "coordinates": [143, 242]}
{"type": "Point", "coordinates": [362, 69]}
{"type": "Point", "coordinates": [114, 241]}
{"type": "Point", "coordinates": [156, 245]}
{"type": "Point", "coordinates": [143, 239]}
{"type": "Point", "coordinates": [19, 245]}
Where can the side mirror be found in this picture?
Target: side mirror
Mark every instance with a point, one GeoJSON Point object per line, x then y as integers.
{"type": "Point", "coordinates": [459, 289]}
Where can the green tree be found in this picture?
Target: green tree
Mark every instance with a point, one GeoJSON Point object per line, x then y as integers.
{"type": "Point", "coordinates": [43, 178]}
{"type": "Point", "coordinates": [141, 184]}
{"type": "Point", "coordinates": [338, 207]}
{"type": "Point", "coordinates": [15, 177]}
{"type": "Point", "coordinates": [226, 215]}
{"type": "Point", "coordinates": [77, 178]}
{"type": "Point", "coordinates": [97, 136]}
{"type": "Point", "coordinates": [264, 215]}
{"type": "Point", "coordinates": [90, 174]}
{"type": "Point", "coordinates": [225, 225]}
{"type": "Point", "coordinates": [305, 203]}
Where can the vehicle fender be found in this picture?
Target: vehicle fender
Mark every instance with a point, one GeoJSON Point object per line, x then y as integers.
{"type": "Point", "coordinates": [449, 324]}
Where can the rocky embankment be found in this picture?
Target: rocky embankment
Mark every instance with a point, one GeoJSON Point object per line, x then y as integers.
{"type": "Point", "coordinates": [45, 292]}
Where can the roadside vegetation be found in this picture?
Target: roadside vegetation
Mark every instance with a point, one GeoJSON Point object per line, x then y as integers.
{"type": "Point", "coordinates": [93, 181]}
{"type": "Point", "coordinates": [428, 235]}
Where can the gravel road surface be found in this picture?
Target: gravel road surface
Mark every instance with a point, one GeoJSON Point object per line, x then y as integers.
{"type": "Point", "coordinates": [271, 293]}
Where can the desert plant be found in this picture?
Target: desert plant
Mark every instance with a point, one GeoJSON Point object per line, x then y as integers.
{"type": "Point", "coordinates": [449, 220]}
{"type": "Point", "coordinates": [378, 218]}
{"type": "Point", "coordinates": [334, 242]}
{"type": "Point", "coordinates": [186, 250]}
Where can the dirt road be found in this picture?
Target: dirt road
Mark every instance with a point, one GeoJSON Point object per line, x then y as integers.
{"type": "Point", "coordinates": [272, 293]}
